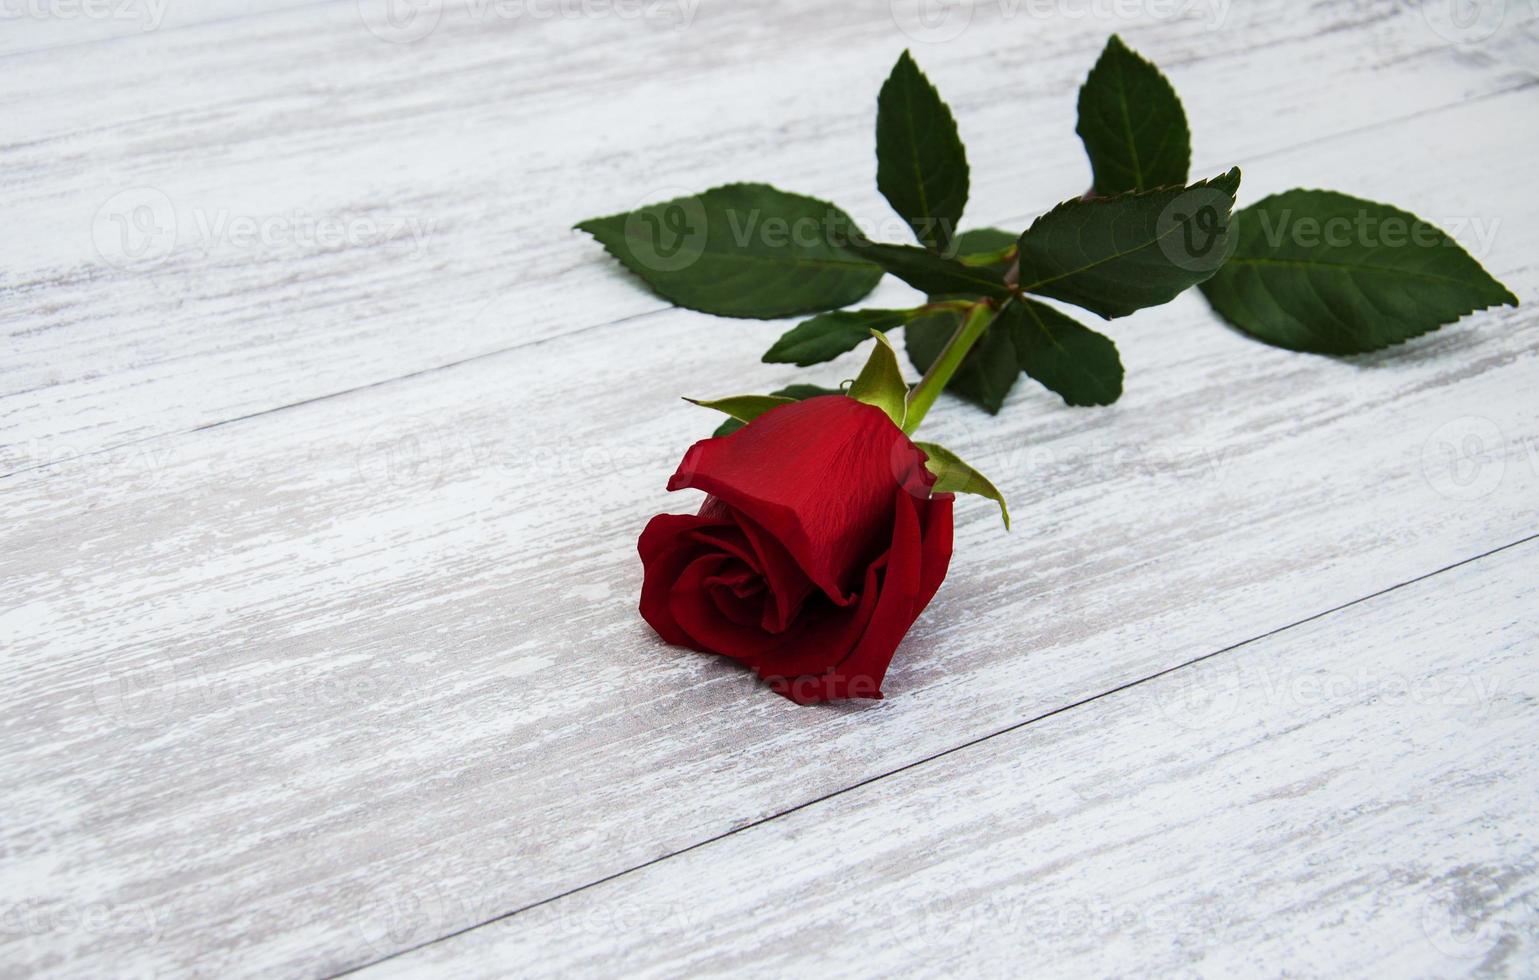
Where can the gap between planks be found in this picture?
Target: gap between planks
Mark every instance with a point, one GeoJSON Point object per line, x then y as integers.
{"type": "Point", "coordinates": [934, 756]}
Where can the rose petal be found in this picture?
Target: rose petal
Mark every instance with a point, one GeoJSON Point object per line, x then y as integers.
{"type": "Point", "coordinates": [860, 673]}
{"type": "Point", "coordinates": [698, 616]}
{"type": "Point", "coordinates": [824, 633]}
{"type": "Point", "coordinates": [936, 557]}
{"type": "Point", "coordinates": [788, 584]}
{"type": "Point", "coordinates": [738, 592]}
{"type": "Point", "coordinates": [818, 477]}
{"type": "Point", "coordinates": [666, 550]}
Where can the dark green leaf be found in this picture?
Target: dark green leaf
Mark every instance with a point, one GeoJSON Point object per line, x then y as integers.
{"type": "Point", "coordinates": [987, 373]}
{"type": "Point", "coordinates": [880, 382]}
{"type": "Point", "coordinates": [744, 250]}
{"type": "Point", "coordinates": [934, 274]}
{"type": "Point", "coordinates": [828, 335]}
{"type": "Point", "coordinates": [1072, 360]}
{"type": "Point", "coordinates": [796, 393]}
{"type": "Point", "coordinates": [952, 475]}
{"type": "Point", "coordinates": [982, 242]}
{"type": "Point", "coordinates": [1132, 124]}
{"type": "Point", "coordinates": [802, 392]}
{"type": "Point", "coordinates": [987, 247]}
{"type": "Point", "coordinates": [1327, 273]}
{"type": "Point", "coordinates": [1114, 255]}
{"type": "Point", "coordinates": [921, 167]}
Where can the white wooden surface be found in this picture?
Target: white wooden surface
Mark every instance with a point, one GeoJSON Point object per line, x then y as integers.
{"type": "Point", "coordinates": [318, 568]}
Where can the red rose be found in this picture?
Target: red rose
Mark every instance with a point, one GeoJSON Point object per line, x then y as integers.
{"type": "Point", "coordinates": [818, 547]}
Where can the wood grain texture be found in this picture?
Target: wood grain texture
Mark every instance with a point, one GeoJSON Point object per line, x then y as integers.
{"type": "Point", "coordinates": [1348, 798]}
{"type": "Point", "coordinates": [109, 28]}
{"type": "Point", "coordinates": [295, 692]}
{"type": "Point", "coordinates": [338, 211]}
{"type": "Point", "coordinates": [273, 686]}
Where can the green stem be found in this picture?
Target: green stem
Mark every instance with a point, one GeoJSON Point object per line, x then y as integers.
{"type": "Point", "coordinates": [923, 394]}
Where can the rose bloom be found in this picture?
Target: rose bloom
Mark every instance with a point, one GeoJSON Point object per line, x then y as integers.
{"type": "Point", "coordinates": [818, 546]}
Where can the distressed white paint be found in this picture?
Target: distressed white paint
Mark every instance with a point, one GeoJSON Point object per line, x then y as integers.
{"type": "Point", "coordinates": [466, 157]}
{"type": "Point", "coordinates": [302, 690]}
{"type": "Point", "coordinates": [1353, 797]}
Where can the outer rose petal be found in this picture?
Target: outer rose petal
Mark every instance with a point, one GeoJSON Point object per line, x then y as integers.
{"type": "Point", "coordinates": [901, 584]}
{"type": "Point", "coordinates": [666, 550]}
{"type": "Point", "coordinates": [818, 476]}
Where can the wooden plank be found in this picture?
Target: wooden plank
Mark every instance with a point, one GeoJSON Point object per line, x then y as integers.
{"type": "Point", "coordinates": [36, 26]}
{"type": "Point", "coordinates": [452, 169]}
{"type": "Point", "coordinates": [267, 688]}
{"type": "Point", "coordinates": [1351, 797]}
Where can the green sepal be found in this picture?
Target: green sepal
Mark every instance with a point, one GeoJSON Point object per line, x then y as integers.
{"type": "Point", "coordinates": [744, 408]}
{"type": "Point", "coordinates": [791, 393]}
{"type": "Point", "coordinates": [880, 382]}
{"type": "Point", "coordinates": [952, 475]}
